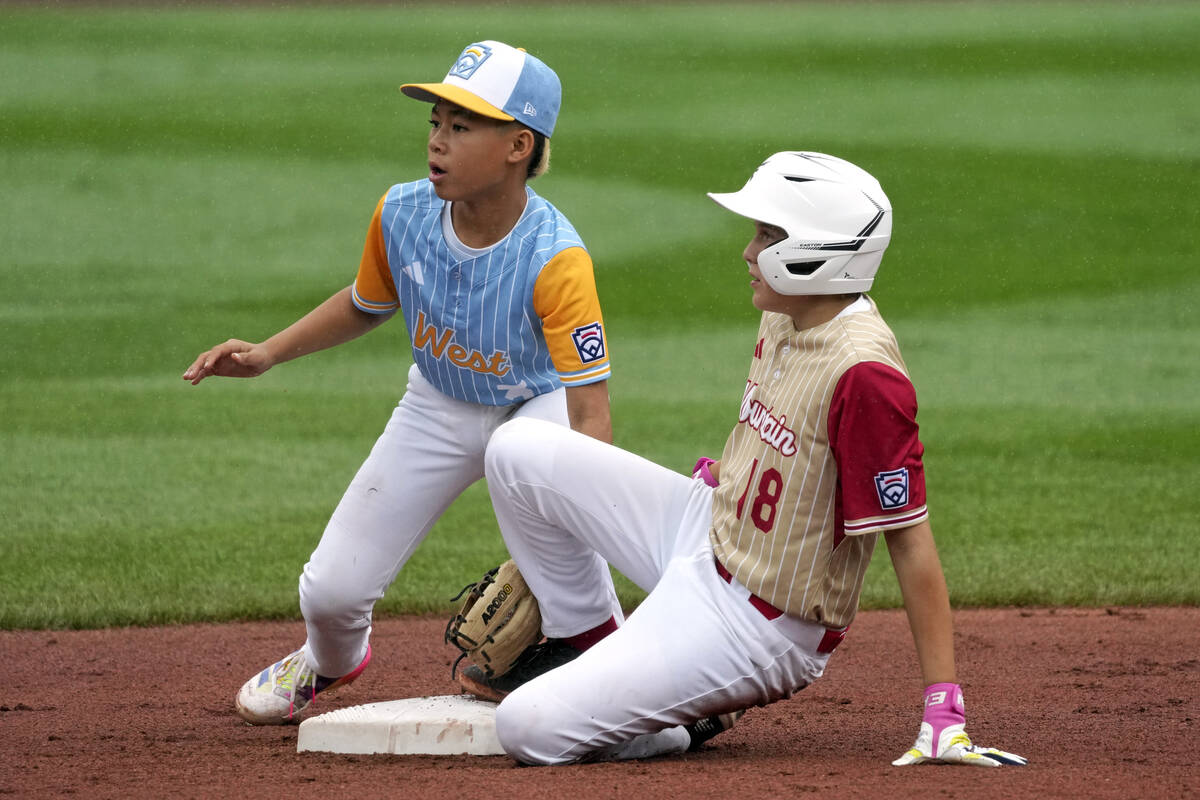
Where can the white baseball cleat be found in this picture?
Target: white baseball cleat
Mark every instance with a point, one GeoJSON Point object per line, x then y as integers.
{"type": "Point", "coordinates": [281, 693]}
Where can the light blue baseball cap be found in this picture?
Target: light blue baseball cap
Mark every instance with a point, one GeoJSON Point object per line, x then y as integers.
{"type": "Point", "coordinates": [499, 81]}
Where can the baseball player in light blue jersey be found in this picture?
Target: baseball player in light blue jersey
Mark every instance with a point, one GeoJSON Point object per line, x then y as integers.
{"type": "Point", "coordinates": [499, 298]}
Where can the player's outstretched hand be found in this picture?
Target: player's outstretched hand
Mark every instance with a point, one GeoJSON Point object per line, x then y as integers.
{"type": "Point", "coordinates": [943, 738]}
{"type": "Point", "coordinates": [707, 470]}
{"type": "Point", "coordinates": [233, 359]}
{"type": "Point", "coordinates": [961, 751]}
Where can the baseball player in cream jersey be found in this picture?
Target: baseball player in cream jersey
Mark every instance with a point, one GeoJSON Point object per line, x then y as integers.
{"type": "Point", "coordinates": [753, 565]}
{"type": "Point", "coordinates": [497, 292]}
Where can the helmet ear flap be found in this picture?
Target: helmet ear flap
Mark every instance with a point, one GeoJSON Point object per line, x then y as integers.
{"type": "Point", "coordinates": [804, 268]}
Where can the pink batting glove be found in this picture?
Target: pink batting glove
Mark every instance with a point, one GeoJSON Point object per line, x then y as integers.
{"type": "Point", "coordinates": [943, 738]}
{"type": "Point", "coordinates": [702, 471]}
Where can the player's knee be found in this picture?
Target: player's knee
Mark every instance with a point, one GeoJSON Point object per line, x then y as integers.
{"type": "Point", "coordinates": [525, 732]}
{"type": "Point", "coordinates": [325, 603]}
{"type": "Point", "coordinates": [510, 447]}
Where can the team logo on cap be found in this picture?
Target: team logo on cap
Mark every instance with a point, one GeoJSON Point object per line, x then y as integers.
{"type": "Point", "coordinates": [892, 488]}
{"type": "Point", "coordinates": [471, 59]}
{"type": "Point", "coordinates": [589, 342]}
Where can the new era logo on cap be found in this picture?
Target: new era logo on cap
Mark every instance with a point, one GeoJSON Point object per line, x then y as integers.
{"type": "Point", "coordinates": [499, 81]}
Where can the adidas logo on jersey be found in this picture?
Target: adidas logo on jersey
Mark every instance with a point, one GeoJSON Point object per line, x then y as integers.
{"type": "Point", "coordinates": [413, 271]}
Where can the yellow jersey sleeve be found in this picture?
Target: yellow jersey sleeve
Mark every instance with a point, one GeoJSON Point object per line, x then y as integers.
{"type": "Point", "coordinates": [565, 299]}
{"type": "Point", "coordinates": [374, 289]}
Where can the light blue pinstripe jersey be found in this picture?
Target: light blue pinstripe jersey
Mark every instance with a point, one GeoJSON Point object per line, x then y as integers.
{"type": "Point", "coordinates": [470, 317]}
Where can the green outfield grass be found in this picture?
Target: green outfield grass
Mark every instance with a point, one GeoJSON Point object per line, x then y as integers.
{"type": "Point", "coordinates": [170, 178]}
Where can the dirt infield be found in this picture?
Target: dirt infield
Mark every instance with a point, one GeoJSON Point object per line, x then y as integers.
{"type": "Point", "coordinates": [1104, 702]}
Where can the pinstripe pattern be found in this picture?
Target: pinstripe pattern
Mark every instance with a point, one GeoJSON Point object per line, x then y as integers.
{"type": "Point", "coordinates": [778, 467]}
{"type": "Point", "coordinates": [470, 314]}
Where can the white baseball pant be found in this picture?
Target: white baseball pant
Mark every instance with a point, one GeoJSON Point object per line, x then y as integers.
{"type": "Point", "coordinates": [695, 647]}
{"type": "Point", "coordinates": [430, 451]}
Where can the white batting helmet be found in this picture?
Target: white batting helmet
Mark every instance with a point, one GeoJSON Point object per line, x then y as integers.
{"type": "Point", "coordinates": [837, 218]}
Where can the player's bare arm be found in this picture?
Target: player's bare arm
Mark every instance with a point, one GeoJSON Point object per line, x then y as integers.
{"type": "Point", "coordinates": [334, 322]}
{"type": "Point", "coordinates": [926, 599]}
{"type": "Point", "coordinates": [588, 410]}
{"type": "Point", "coordinates": [942, 736]}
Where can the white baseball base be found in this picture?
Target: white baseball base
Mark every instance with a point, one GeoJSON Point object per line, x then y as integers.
{"type": "Point", "coordinates": [444, 725]}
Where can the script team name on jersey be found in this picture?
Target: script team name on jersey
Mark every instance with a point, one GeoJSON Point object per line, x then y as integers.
{"type": "Point", "coordinates": [771, 429]}
{"type": "Point", "coordinates": [437, 342]}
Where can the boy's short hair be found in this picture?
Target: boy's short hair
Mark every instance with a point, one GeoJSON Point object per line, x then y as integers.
{"type": "Point", "coordinates": [539, 164]}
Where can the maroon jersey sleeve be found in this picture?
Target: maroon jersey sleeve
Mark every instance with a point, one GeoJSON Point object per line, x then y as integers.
{"type": "Point", "coordinates": [873, 435]}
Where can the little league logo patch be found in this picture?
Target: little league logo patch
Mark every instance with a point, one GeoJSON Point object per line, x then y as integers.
{"type": "Point", "coordinates": [471, 59]}
{"type": "Point", "coordinates": [892, 488]}
{"type": "Point", "coordinates": [589, 342]}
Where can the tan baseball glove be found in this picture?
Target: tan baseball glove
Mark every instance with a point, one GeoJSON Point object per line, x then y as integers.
{"type": "Point", "coordinates": [498, 620]}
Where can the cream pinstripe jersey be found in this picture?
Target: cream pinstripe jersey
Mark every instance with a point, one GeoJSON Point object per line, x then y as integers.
{"type": "Point", "coordinates": [794, 525]}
